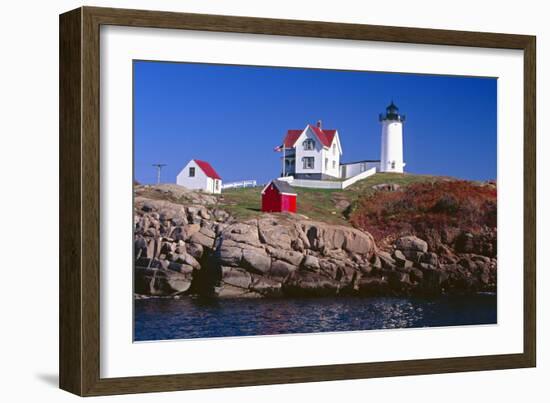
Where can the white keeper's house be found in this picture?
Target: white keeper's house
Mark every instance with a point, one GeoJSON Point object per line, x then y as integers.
{"type": "Point", "coordinates": [314, 153]}
{"type": "Point", "coordinates": [200, 175]}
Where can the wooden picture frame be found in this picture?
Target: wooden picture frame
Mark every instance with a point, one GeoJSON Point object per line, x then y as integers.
{"type": "Point", "coordinates": [80, 199]}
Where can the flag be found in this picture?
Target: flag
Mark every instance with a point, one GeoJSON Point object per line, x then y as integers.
{"type": "Point", "coordinates": [278, 149]}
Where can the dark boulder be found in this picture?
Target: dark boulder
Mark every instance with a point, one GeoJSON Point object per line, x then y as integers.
{"type": "Point", "coordinates": [160, 282]}
{"type": "Point", "coordinates": [308, 284]}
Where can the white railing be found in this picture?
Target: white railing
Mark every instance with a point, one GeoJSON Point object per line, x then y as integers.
{"type": "Point", "coordinates": [323, 184]}
{"type": "Point", "coordinates": [240, 184]}
{"type": "Point", "coordinates": [316, 184]}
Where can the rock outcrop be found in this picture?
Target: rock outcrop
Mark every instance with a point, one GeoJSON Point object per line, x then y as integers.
{"type": "Point", "coordinates": [198, 249]}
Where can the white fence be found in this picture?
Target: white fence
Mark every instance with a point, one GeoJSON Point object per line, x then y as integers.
{"type": "Point", "coordinates": [362, 175]}
{"type": "Point", "coordinates": [316, 184]}
{"type": "Point", "coordinates": [240, 184]}
{"type": "Point", "coordinates": [320, 184]}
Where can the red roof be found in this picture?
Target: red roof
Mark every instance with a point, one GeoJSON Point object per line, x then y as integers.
{"type": "Point", "coordinates": [325, 136]}
{"type": "Point", "coordinates": [207, 169]}
{"type": "Point", "coordinates": [291, 137]}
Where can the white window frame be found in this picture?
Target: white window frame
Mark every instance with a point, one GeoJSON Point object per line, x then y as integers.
{"type": "Point", "coordinates": [305, 165]}
{"type": "Point", "coordinates": [309, 144]}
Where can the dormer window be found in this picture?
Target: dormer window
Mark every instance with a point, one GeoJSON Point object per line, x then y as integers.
{"type": "Point", "coordinates": [309, 144]}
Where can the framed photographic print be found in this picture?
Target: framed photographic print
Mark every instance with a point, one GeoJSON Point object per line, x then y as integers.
{"type": "Point", "coordinates": [250, 201]}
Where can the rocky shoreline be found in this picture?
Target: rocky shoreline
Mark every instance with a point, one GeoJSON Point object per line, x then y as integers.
{"type": "Point", "coordinates": [185, 245]}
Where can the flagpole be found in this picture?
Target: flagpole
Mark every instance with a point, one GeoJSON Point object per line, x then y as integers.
{"type": "Point", "coordinates": [284, 156]}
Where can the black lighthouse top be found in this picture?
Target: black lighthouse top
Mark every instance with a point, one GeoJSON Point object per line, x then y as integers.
{"type": "Point", "coordinates": [392, 113]}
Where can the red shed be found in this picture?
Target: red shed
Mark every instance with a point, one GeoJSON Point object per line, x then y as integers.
{"type": "Point", "coordinates": [277, 197]}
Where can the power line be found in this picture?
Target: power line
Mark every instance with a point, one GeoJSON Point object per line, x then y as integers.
{"type": "Point", "coordinates": [159, 169]}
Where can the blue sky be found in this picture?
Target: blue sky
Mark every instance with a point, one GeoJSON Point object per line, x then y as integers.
{"type": "Point", "coordinates": [233, 117]}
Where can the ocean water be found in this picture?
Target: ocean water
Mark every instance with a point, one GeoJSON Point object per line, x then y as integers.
{"type": "Point", "coordinates": [189, 318]}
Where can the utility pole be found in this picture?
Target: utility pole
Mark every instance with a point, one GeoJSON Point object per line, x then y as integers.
{"type": "Point", "coordinates": [159, 168]}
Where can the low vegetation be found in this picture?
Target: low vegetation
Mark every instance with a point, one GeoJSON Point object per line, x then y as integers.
{"type": "Point", "coordinates": [328, 205]}
{"type": "Point", "coordinates": [420, 208]}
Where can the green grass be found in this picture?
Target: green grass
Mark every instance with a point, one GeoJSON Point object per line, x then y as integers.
{"type": "Point", "coordinates": [242, 203]}
{"type": "Point", "coordinates": [318, 204]}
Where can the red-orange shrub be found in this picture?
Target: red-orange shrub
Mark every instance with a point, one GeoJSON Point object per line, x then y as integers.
{"type": "Point", "coordinates": [427, 206]}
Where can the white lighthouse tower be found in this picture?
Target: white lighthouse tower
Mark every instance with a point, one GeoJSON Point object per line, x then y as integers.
{"type": "Point", "coordinates": [391, 153]}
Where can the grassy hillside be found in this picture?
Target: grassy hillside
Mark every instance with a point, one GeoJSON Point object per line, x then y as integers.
{"type": "Point", "coordinates": [333, 206]}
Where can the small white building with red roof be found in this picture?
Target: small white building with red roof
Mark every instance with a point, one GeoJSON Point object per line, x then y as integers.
{"type": "Point", "coordinates": [312, 153]}
{"type": "Point", "coordinates": [200, 175]}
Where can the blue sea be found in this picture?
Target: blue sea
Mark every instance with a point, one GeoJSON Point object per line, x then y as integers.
{"type": "Point", "coordinates": [189, 318]}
